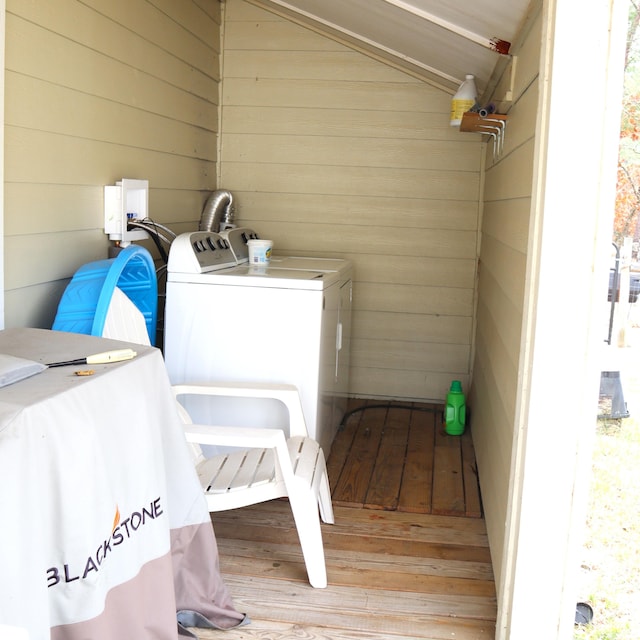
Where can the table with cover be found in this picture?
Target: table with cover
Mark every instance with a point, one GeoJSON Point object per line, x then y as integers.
{"type": "Point", "coordinates": [104, 529]}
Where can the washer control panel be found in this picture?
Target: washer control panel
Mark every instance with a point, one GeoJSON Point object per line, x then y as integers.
{"type": "Point", "coordinates": [238, 238]}
{"type": "Point", "coordinates": [200, 252]}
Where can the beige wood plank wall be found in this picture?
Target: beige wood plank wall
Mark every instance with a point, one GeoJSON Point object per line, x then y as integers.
{"type": "Point", "coordinates": [331, 153]}
{"type": "Point", "coordinates": [502, 278]}
{"type": "Point", "coordinates": [96, 91]}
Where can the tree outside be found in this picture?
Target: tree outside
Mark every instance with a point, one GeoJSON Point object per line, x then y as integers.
{"type": "Point", "coordinates": [628, 189]}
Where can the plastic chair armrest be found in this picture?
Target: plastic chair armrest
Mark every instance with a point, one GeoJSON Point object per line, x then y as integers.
{"type": "Point", "coordinates": [244, 437]}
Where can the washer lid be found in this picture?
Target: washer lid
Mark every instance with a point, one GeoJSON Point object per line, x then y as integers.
{"type": "Point", "coordinates": [311, 263]}
{"type": "Point", "coordinates": [253, 276]}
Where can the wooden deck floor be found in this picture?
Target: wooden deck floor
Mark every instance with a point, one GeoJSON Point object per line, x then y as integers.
{"type": "Point", "coordinates": [397, 456]}
{"type": "Point", "coordinates": [392, 574]}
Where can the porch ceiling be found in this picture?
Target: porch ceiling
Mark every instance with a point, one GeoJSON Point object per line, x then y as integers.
{"type": "Point", "coordinates": [437, 40]}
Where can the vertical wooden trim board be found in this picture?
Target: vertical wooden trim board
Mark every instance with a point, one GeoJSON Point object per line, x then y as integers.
{"type": "Point", "coordinates": [571, 216]}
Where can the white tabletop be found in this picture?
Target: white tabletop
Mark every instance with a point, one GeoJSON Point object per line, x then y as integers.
{"type": "Point", "coordinates": [104, 527]}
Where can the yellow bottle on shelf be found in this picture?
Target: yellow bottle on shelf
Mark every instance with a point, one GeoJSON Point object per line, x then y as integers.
{"type": "Point", "coordinates": [463, 100]}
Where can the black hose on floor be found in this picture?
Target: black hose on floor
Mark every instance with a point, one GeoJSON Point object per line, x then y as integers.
{"type": "Point", "coordinates": [386, 405]}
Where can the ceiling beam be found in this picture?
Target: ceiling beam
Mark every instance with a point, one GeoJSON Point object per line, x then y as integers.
{"type": "Point", "coordinates": [495, 44]}
{"type": "Point", "coordinates": [348, 38]}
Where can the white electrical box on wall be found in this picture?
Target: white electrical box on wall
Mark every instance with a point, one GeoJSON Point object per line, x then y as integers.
{"type": "Point", "coordinates": [125, 201]}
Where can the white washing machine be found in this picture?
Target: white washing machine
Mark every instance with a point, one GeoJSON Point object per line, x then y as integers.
{"type": "Point", "coordinates": [288, 322]}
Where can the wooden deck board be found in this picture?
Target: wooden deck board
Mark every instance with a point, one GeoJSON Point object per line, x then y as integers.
{"type": "Point", "coordinates": [268, 630]}
{"type": "Point", "coordinates": [353, 482]}
{"type": "Point", "coordinates": [361, 543]}
{"type": "Point", "coordinates": [344, 438]}
{"type": "Point", "coordinates": [472, 500]}
{"type": "Point", "coordinates": [243, 554]}
{"type": "Point", "coordinates": [417, 478]}
{"type": "Point", "coordinates": [386, 478]}
{"type": "Point", "coordinates": [448, 488]}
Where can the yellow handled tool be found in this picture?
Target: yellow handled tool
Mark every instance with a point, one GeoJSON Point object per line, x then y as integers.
{"type": "Point", "coordinates": [117, 355]}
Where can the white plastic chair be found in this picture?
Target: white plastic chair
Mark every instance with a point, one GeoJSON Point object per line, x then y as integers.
{"type": "Point", "coordinates": [265, 466]}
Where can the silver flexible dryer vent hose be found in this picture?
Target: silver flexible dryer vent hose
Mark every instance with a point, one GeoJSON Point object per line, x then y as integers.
{"type": "Point", "coordinates": [218, 208]}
